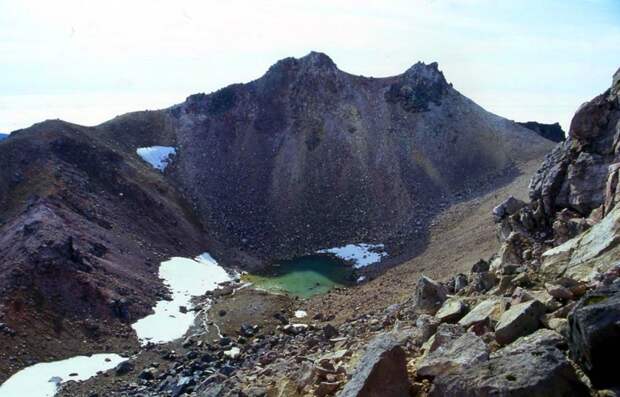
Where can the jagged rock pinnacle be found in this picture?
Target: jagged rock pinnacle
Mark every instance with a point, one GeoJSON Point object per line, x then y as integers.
{"type": "Point", "coordinates": [428, 72]}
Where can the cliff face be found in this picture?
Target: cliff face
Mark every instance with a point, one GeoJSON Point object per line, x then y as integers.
{"type": "Point", "coordinates": [574, 175]}
{"type": "Point", "coordinates": [309, 156]}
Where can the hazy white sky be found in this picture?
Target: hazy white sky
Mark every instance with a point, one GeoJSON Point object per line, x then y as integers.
{"type": "Point", "coordinates": [87, 61]}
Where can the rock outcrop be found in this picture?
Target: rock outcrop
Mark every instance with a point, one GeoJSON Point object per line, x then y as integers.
{"type": "Point", "coordinates": [553, 132]}
{"type": "Point", "coordinates": [574, 175]}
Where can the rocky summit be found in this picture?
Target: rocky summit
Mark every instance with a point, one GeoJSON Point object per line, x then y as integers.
{"type": "Point", "coordinates": [487, 287]}
{"type": "Point", "coordinates": [309, 156]}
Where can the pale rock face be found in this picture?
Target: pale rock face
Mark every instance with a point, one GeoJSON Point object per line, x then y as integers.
{"type": "Point", "coordinates": [487, 310]}
{"type": "Point", "coordinates": [519, 320]}
{"type": "Point", "coordinates": [612, 189]}
{"type": "Point", "coordinates": [451, 311]}
{"type": "Point", "coordinates": [462, 352]}
{"type": "Point", "coordinates": [589, 254]}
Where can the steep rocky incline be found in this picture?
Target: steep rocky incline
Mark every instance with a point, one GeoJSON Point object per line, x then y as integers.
{"type": "Point", "coordinates": [309, 157]}
{"type": "Point", "coordinates": [80, 240]}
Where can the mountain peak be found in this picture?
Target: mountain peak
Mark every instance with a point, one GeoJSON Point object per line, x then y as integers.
{"type": "Point", "coordinates": [313, 63]}
{"type": "Point", "coordinates": [429, 72]}
{"type": "Point", "coordinates": [318, 60]}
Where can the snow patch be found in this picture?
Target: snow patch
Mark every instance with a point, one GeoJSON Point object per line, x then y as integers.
{"type": "Point", "coordinates": [361, 255]}
{"type": "Point", "coordinates": [157, 156]}
{"type": "Point", "coordinates": [300, 314]}
{"type": "Point", "coordinates": [43, 379]}
{"type": "Point", "coordinates": [233, 352]}
{"type": "Point", "coordinates": [186, 278]}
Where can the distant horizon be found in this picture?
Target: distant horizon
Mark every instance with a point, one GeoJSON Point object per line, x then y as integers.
{"type": "Point", "coordinates": [525, 61]}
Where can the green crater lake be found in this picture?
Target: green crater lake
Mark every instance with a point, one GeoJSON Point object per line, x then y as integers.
{"type": "Point", "coordinates": [305, 276]}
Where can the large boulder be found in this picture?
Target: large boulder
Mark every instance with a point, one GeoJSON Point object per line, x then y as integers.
{"type": "Point", "coordinates": [594, 335]}
{"type": "Point", "coordinates": [535, 370]}
{"type": "Point", "coordinates": [519, 320]}
{"type": "Point", "coordinates": [445, 334]}
{"type": "Point", "coordinates": [482, 281]}
{"type": "Point", "coordinates": [451, 311]}
{"type": "Point", "coordinates": [462, 352]}
{"type": "Point", "coordinates": [429, 296]}
{"type": "Point", "coordinates": [484, 311]}
{"type": "Point", "coordinates": [382, 371]}
{"type": "Point", "coordinates": [508, 207]}
{"type": "Point", "coordinates": [541, 338]}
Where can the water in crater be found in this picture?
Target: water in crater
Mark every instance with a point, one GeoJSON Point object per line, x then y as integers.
{"type": "Point", "coordinates": [304, 276]}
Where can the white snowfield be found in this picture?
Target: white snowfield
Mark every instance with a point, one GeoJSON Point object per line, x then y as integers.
{"type": "Point", "coordinates": [361, 255]}
{"type": "Point", "coordinates": [157, 156]}
{"type": "Point", "coordinates": [43, 379]}
{"type": "Point", "coordinates": [186, 278]}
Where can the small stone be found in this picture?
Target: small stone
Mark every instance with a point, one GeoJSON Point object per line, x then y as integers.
{"type": "Point", "coordinates": [559, 292]}
{"type": "Point", "coordinates": [327, 388]}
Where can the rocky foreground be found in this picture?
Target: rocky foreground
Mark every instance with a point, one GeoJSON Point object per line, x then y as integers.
{"type": "Point", "coordinates": [540, 318]}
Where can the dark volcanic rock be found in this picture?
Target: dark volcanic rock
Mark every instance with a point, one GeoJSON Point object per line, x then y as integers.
{"type": "Point", "coordinates": [124, 368]}
{"type": "Point", "coordinates": [553, 132]}
{"type": "Point", "coordinates": [382, 371]}
{"type": "Point", "coordinates": [574, 174]}
{"type": "Point", "coordinates": [270, 163]}
{"type": "Point", "coordinates": [537, 371]}
{"type": "Point", "coordinates": [594, 335]}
